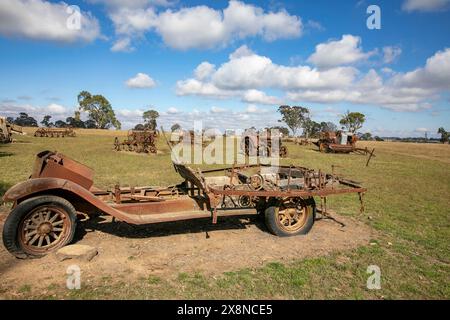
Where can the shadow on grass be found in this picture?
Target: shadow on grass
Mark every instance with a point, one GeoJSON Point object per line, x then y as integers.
{"type": "Point", "coordinates": [5, 154]}
{"type": "Point", "coordinates": [125, 230]}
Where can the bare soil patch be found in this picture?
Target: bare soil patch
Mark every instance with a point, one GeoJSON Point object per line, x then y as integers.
{"type": "Point", "coordinates": [165, 250]}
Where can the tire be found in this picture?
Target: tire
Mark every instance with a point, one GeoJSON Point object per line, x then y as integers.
{"type": "Point", "coordinates": [51, 219]}
{"type": "Point", "coordinates": [304, 222]}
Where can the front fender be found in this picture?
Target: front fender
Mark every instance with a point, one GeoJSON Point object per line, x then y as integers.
{"type": "Point", "coordinates": [32, 186]}
{"type": "Point", "coordinates": [29, 187]}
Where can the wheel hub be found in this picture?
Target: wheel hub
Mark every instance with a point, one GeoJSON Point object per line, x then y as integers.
{"type": "Point", "coordinates": [44, 228]}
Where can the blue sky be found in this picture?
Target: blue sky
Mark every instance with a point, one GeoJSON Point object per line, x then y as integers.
{"type": "Point", "coordinates": [231, 63]}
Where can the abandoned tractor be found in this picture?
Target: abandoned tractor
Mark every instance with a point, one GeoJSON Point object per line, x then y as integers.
{"type": "Point", "coordinates": [259, 144]}
{"type": "Point", "coordinates": [140, 141]}
{"type": "Point", "coordinates": [7, 129]}
{"type": "Point", "coordinates": [45, 207]}
{"type": "Point", "coordinates": [340, 142]}
{"type": "Point", "coordinates": [55, 132]}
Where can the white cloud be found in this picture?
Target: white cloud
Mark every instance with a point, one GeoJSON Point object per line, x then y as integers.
{"type": "Point", "coordinates": [390, 54]}
{"type": "Point", "coordinates": [422, 130]}
{"type": "Point", "coordinates": [57, 111]}
{"type": "Point", "coordinates": [339, 52]}
{"type": "Point", "coordinates": [141, 81]}
{"type": "Point", "coordinates": [122, 45]}
{"type": "Point", "coordinates": [425, 5]}
{"type": "Point", "coordinates": [202, 26]}
{"type": "Point", "coordinates": [247, 76]}
{"type": "Point", "coordinates": [260, 97]}
{"type": "Point", "coordinates": [172, 110]}
{"type": "Point", "coordinates": [42, 20]}
{"type": "Point", "coordinates": [251, 71]}
{"type": "Point", "coordinates": [217, 110]}
{"type": "Point", "coordinates": [435, 74]}
{"type": "Point", "coordinates": [56, 108]}
{"type": "Point", "coordinates": [204, 71]}
{"type": "Point", "coordinates": [251, 108]}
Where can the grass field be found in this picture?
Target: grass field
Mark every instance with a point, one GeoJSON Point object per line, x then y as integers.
{"type": "Point", "coordinates": [408, 203]}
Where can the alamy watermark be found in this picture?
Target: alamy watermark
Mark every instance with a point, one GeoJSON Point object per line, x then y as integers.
{"type": "Point", "coordinates": [374, 20]}
{"type": "Point", "coordinates": [213, 146]}
{"type": "Point", "coordinates": [73, 281]}
{"type": "Point", "coordinates": [73, 21]}
{"type": "Point", "coordinates": [374, 280]}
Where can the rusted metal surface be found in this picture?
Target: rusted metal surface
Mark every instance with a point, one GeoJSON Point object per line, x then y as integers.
{"type": "Point", "coordinates": [259, 144]}
{"type": "Point", "coordinates": [238, 190]}
{"type": "Point", "coordinates": [140, 141]}
{"type": "Point", "coordinates": [341, 142]}
{"type": "Point", "coordinates": [55, 132]}
{"type": "Point", "coordinates": [7, 129]}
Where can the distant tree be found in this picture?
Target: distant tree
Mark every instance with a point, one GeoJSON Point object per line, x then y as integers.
{"type": "Point", "coordinates": [353, 121]}
{"type": "Point", "coordinates": [328, 127]}
{"type": "Point", "coordinates": [294, 117]}
{"type": "Point", "coordinates": [76, 121]}
{"type": "Point", "coordinates": [311, 128]}
{"type": "Point", "coordinates": [10, 119]}
{"type": "Point", "coordinates": [60, 124]}
{"type": "Point", "coordinates": [175, 127]}
{"type": "Point", "coordinates": [25, 121]}
{"type": "Point", "coordinates": [139, 127]}
{"type": "Point", "coordinates": [377, 138]}
{"type": "Point", "coordinates": [366, 136]}
{"type": "Point", "coordinates": [445, 135]}
{"type": "Point", "coordinates": [150, 117]}
{"type": "Point", "coordinates": [90, 124]}
{"type": "Point", "coordinates": [46, 121]}
{"type": "Point", "coordinates": [99, 110]}
{"type": "Point", "coordinates": [283, 130]}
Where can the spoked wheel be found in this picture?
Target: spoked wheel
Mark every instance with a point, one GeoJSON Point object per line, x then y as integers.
{"type": "Point", "coordinates": [291, 218]}
{"type": "Point", "coordinates": [38, 226]}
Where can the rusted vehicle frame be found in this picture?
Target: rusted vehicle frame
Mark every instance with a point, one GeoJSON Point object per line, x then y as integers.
{"type": "Point", "coordinates": [241, 190]}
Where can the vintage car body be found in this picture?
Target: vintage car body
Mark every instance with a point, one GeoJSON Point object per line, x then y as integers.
{"type": "Point", "coordinates": [45, 206]}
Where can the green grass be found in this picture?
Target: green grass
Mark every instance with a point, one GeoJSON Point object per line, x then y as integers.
{"type": "Point", "coordinates": [408, 204]}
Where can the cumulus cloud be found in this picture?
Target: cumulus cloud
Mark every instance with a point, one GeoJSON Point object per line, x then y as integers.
{"type": "Point", "coordinates": [201, 26]}
{"type": "Point", "coordinates": [250, 71]}
{"type": "Point", "coordinates": [204, 70]}
{"type": "Point", "coordinates": [425, 5]}
{"type": "Point", "coordinates": [247, 76]}
{"type": "Point", "coordinates": [339, 52]}
{"type": "Point", "coordinates": [43, 20]}
{"type": "Point", "coordinates": [141, 81]}
{"type": "Point", "coordinates": [434, 75]}
{"type": "Point", "coordinates": [260, 97]}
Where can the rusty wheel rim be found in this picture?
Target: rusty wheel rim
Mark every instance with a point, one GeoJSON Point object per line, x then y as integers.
{"type": "Point", "coordinates": [292, 219]}
{"type": "Point", "coordinates": [44, 228]}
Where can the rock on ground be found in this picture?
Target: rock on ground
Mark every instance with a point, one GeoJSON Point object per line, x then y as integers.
{"type": "Point", "coordinates": [76, 251]}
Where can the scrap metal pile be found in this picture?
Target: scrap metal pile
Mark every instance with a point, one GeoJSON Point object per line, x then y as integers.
{"type": "Point", "coordinates": [6, 130]}
{"type": "Point", "coordinates": [140, 141]}
{"type": "Point", "coordinates": [55, 132]}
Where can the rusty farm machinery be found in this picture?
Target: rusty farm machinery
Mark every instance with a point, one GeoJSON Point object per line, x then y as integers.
{"type": "Point", "coordinates": [260, 144]}
{"type": "Point", "coordinates": [45, 207]}
{"type": "Point", "coordinates": [55, 132]}
{"type": "Point", "coordinates": [140, 141]}
{"type": "Point", "coordinates": [7, 129]}
{"type": "Point", "coordinates": [342, 142]}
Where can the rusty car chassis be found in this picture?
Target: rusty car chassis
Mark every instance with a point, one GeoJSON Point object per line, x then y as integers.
{"type": "Point", "coordinates": [46, 206]}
